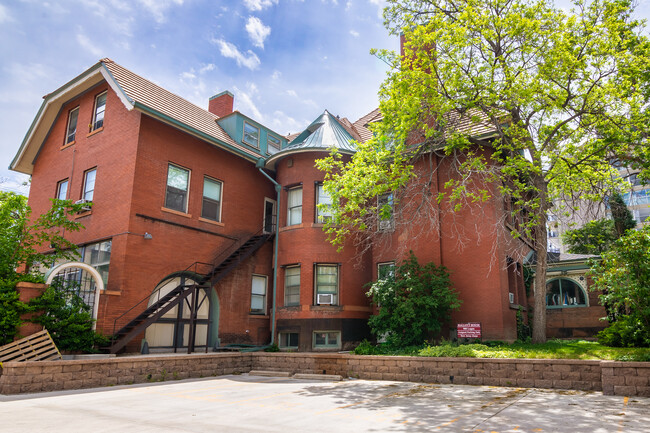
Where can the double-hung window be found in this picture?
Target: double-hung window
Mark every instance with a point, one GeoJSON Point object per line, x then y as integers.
{"type": "Point", "coordinates": [62, 189]}
{"type": "Point", "coordinates": [292, 286]}
{"type": "Point", "coordinates": [89, 184]}
{"type": "Point", "coordinates": [178, 182]}
{"type": "Point", "coordinates": [99, 257]}
{"type": "Point", "coordinates": [258, 294]}
{"type": "Point", "coordinates": [385, 210]}
{"type": "Point", "coordinates": [251, 135]}
{"type": "Point", "coordinates": [386, 271]}
{"type": "Point", "coordinates": [98, 114]}
{"type": "Point", "coordinates": [323, 205]}
{"type": "Point", "coordinates": [273, 143]}
{"type": "Point", "coordinates": [71, 130]}
{"type": "Point", "coordinates": [211, 208]}
{"type": "Point", "coordinates": [294, 206]}
{"type": "Point", "coordinates": [327, 284]}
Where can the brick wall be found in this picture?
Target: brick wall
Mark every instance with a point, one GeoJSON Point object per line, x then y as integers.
{"type": "Point", "coordinates": [613, 378]}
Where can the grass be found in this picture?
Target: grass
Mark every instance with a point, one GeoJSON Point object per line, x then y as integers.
{"type": "Point", "coordinates": [554, 349]}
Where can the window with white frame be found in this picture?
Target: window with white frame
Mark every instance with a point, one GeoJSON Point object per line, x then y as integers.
{"type": "Point", "coordinates": [98, 114]}
{"type": "Point", "coordinates": [294, 206]}
{"type": "Point", "coordinates": [327, 284]}
{"type": "Point", "coordinates": [178, 182]}
{"type": "Point", "coordinates": [323, 205]}
{"type": "Point", "coordinates": [385, 212]}
{"type": "Point", "coordinates": [98, 256]}
{"type": "Point", "coordinates": [258, 294]}
{"type": "Point", "coordinates": [251, 135]}
{"type": "Point", "coordinates": [89, 184]}
{"type": "Point", "coordinates": [386, 271]}
{"type": "Point", "coordinates": [211, 208]}
{"type": "Point", "coordinates": [273, 143]}
{"type": "Point", "coordinates": [71, 130]}
{"type": "Point", "coordinates": [292, 286]}
{"type": "Point", "coordinates": [62, 189]}
{"type": "Point", "coordinates": [327, 339]}
{"type": "Point", "coordinates": [289, 340]}
{"type": "Point", "coordinates": [563, 293]}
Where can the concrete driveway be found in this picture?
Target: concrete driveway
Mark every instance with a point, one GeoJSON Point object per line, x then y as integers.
{"type": "Point", "coordinates": [266, 404]}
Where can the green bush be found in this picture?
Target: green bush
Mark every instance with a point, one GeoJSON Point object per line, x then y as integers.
{"type": "Point", "coordinates": [413, 304]}
{"type": "Point", "coordinates": [452, 351]}
{"type": "Point", "coordinates": [10, 310]}
{"type": "Point", "coordinates": [68, 319]}
{"type": "Point", "coordinates": [627, 331]}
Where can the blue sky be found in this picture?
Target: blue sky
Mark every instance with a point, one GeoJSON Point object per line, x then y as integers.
{"type": "Point", "coordinates": [285, 60]}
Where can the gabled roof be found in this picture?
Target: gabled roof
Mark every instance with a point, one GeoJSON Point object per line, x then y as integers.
{"type": "Point", "coordinates": [323, 134]}
{"type": "Point", "coordinates": [136, 93]}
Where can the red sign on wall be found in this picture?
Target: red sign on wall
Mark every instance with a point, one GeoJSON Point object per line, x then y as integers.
{"type": "Point", "coordinates": [468, 330]}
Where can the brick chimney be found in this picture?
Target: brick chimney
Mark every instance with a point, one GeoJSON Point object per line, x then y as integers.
{"type": "Point", "coordinates": [221, 104]}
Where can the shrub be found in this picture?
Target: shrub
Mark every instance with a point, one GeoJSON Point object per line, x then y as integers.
{"type": "Point", "coordinates": [627, 331]}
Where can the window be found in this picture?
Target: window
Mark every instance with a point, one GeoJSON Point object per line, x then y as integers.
{"type": "Point", "coordinates": [258, 295]}
{"type": "Point", "coordinates": [292, 286]}
{"type": "Point", "coordinates": [251, 135]}
{"type": "Point", "coordinates": [89, 184]}
{"type": "Point", "coordinates": [327, 284]}
{"type": "Point", "coordinates": [385, 211]}
{"type": "Point", "coordinates": [327, 340]}
{"type": "Point", "coordinates": [273, 143]}
{"type": "Point", "coordinates": [99, 257]}
{"type": "Point", "coordinates": [386, 271]}
{"type": "Point", "coordinates": [640, 215]}
{"type": "Point", "coordinates": [324, 212]}
{"type": "Point", "coordinates": [211, 199]}
{"type": "Point", "coordinates": [72, 126]}
{"type": "Point", "coordinates": [294, 205]}
{"type": "Point", "coordinates": [178, 180]}
{"type": "Point", "coordinates": [98, 115]}
{"type": "Point", "coordinates": [289, 340]}
{"type": "Point", "coordinates": [62, 189]}
{"type": "Point", "coordinates": [562, 293]}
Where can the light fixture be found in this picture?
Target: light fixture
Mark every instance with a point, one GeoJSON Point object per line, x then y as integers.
{"type": "Point", "coordinates": [147, 235]}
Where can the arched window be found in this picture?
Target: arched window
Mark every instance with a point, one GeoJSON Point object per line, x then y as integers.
{"type": "Point", "coordinates": [564, 293]}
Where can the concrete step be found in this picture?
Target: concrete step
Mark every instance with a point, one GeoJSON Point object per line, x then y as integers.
{"type": "Point", "coordinates": [269, 373]}
{"type": "Point", "coordinates": [333, 377]}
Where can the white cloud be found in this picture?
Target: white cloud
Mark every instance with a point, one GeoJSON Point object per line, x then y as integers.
{"type": "Point", "coordinates": [285, 124]}
{"type": "Point", "coordinates": [258, 5]}
{"type": "Point", "coordinates": [257, 31]}
{"type": "Point", "coordinates": [88, 45]}
{"type": "Point", "coordinates": [250, 60]}
{"type": "Point", "coordinates": [354, 33]}
{"type": "Point", "coordinates": [334, 2]}
{"type": "Point", "coordinates": [244, 99]}
{"type": "Point", "coordinates": [292, 93]}
{"type": "Point", "coordinates": [380, 6]}
{"type": "Point", "coordinates": [206, 68]}
{"type": "Point", "coordinates": [276, 75]}
{"type": "Point", "coordinates": [348, 5]}
{"type": "Point", "coordinates": [5, 17]}
{"type": "Point", "coordinates": [158, 8]}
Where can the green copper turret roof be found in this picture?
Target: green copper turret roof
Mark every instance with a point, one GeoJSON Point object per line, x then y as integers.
{"type": "Point", "coordinates": [323, 134]}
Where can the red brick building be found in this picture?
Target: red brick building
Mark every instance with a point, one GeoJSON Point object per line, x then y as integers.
{"type": "Point", "coordinates": [185, 200]}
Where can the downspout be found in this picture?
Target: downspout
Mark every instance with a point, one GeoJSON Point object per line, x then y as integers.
{"type": "Point", "coordinates": [278, 189]}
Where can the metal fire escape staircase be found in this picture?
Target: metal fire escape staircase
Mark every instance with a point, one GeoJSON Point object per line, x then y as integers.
{"type": "Point", "coordinates": [219, 270]}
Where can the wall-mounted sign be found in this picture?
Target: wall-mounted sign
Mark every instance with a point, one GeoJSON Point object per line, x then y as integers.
{"type": "Point", "coordinates": [468, 330]}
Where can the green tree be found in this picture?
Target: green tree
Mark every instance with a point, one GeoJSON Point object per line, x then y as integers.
{"type": "Point", "coordinates": [555, 95]}
{"type": "Point", "coordinates": [25, 243]}
{"type": "Point", "coordinates": [413, 303]}
{"type": "Point", "coordinates": [621, 215]}
{"type": "Point", "coordinates": [623, 276]}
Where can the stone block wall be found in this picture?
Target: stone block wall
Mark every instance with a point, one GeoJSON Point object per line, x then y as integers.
{"type": "Point", "coordinates": [612, 378]}
{"type": "Point", "coordinates": [40, 376]}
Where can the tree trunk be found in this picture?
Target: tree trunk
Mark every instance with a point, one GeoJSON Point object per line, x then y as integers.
{"type": "Point", "coordinates": [541, 243]}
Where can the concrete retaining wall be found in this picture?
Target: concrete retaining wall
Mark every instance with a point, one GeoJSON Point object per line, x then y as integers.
{"type": "Point", "coordinates": [613, 378]}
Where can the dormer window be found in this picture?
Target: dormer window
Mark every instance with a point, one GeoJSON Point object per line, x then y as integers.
{"type": "Point", "coordinates": [251, 135]}
{"type": "Point", "coordinates": [71, 131]}
{"type": "Point", "coordinates": [273, 143]}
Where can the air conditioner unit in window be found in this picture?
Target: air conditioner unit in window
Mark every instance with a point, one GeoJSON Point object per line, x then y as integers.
{"type": "Point", "coordinates": [385, 224]}
{"type": "Point", "coordinates": [84, 202]}
{"type": "Point", "coordinates": [511, 297]}
{"type": "Point", "coordinates": [325, 299]}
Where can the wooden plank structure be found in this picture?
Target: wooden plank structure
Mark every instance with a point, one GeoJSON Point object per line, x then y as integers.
{"type": "Point", "coordinates": [36, 347]}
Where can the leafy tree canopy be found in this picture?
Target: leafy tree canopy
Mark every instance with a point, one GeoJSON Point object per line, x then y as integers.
{"type": "Point", "coordinates": [623, 276]}
{"type": "Point", "coordinates": [553, 96]}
